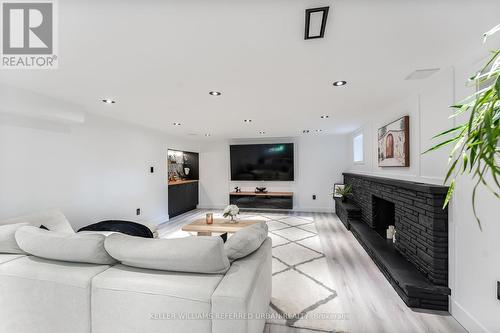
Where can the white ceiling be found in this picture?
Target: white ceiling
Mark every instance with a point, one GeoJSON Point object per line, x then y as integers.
{"type": "Point", "coordinates": [159, 60]}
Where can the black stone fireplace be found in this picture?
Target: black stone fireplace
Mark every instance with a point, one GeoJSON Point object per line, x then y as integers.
{"type": "Point", "coordinates": [417, 263]}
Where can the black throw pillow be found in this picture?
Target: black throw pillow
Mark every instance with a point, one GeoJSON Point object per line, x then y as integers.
{"type": "Point", "coordinates": [124, 227]}
{"type": "Point", "coordinates": [224, 237]}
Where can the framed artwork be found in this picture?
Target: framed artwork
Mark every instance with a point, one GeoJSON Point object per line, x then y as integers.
{"type": "Point", "coordinates": [394, 143]}
{"type": "Point", "coordinates": [335, 187]}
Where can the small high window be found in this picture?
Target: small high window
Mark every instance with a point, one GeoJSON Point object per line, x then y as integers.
{"type": "Point", "coordinates": [357, 147]}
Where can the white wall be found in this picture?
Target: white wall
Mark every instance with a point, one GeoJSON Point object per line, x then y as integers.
{"type": "Point", "coordinates": [474, 263]}
{"type": "Point", "coordinates": [319, 163]}
{"type": "Point", "coordinates": [92, 171]}
{"type": "Point", "coordinates": [428, 113]}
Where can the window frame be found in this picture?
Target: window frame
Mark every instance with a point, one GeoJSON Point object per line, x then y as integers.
{"type": "Point", "coordinates": [354, 137]}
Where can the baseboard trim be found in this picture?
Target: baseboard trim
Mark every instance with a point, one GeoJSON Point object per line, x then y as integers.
{"type": "Point", "coordinates": [315, 210]}
{"type": "Point", "coordinates": [465, 318]}
{"type": "Point", "coordinates": [160, 219]}
{"type": "Point", "coordinates": [211, 206]}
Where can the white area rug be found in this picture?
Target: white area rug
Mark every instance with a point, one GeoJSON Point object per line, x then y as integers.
{"type": "Point", "coordinates": [303, 291]}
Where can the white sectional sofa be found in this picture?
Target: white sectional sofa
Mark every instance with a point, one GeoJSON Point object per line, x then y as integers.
{"type": "Point", "coordinates": [40, 295]}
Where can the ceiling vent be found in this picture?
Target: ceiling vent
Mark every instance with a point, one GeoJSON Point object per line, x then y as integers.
{"type": "Point", "coordinates": [421, 74]}
{"type": "Point", "coordinates": [316, 22]}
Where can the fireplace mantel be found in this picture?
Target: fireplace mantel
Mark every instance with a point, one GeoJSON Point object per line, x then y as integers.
{"type": "Point", "coordinates": [415, 186]}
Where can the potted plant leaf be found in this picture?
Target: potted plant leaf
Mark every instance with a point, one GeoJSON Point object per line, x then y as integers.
{"type": "Point", "coordinates": [345, 192]}
{"type": "Point", "coordinates": [475, 142]}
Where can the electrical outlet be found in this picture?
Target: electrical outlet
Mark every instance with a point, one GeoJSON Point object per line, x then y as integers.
{"type": "Point", "coordinates": [138, 211]}
{"type": "Point", "coordinates": [314, 196]}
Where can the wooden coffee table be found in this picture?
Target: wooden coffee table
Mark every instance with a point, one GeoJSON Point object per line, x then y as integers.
{"type": "Point", "coordinates": [219, 226]}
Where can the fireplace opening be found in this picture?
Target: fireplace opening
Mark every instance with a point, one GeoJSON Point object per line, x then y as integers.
{"type": "Point", "coordinates": [383, 215]}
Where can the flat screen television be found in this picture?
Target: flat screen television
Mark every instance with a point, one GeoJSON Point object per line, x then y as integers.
{"type": "Point", "coordinates": [273, 162]}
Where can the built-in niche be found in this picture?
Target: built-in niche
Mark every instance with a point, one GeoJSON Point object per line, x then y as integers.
{"type": "Point", "coordinates": [183, 188]}
{"type": "Point", "coordinates": [182, 165]}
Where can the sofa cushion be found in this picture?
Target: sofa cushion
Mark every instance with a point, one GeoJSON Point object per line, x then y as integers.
{"type": "Point", "coordinates": [246, 241]}
{"type": "Point", "coordinates": [52, 219]}
{"type": "Point", "coordinates": [131, 300]}
{"type": "Point", "coordinates": [191, 254]}
{"type": "Point", "coordinates": [63, 247]}
{"type": "Point", "coordinates": [73, 274]}
{"type": "Point", "coordinates": [39, 295]}
{"type": "Point", "coordinates": [8, 242]}
{"type": "Point", "coordinates": [193, 286]}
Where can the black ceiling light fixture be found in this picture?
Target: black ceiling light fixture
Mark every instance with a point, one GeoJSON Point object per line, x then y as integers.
{"type": "Point", "coordinates": [339, 83]}
{"type": "Point", "coordinates": [316, 22]}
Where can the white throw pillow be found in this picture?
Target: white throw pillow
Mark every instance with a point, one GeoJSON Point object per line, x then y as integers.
{"type": "Point", "coordinates": [191, 254]}
{"type": "Point", "coordinates": [52, 219]}
{"type": "Point", "coordinates": [246, 241]}
{"type": "Point", "coordinates": [64, 247]}
{"type": "Point", "coordinates": [8, 242]}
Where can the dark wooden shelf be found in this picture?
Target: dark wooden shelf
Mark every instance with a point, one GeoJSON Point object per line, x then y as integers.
{"type": "Point", "coordinates": [266, 194]}
{"type": "Point", "coordinates": [180, 182]}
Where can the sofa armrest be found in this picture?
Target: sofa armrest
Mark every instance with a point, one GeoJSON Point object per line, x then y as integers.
{"type": "Point", "coordinates": [243, 296]}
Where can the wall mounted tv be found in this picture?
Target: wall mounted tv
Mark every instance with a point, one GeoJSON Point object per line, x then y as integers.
{"type": "Point", "coordinates": [273, 162]}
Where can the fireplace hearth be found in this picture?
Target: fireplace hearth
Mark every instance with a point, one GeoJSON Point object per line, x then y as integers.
{"type": "Point", "coordinates": [417, 263]}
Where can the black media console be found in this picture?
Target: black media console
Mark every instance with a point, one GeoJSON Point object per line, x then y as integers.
{"type": "Point", "coordinates": [269, 200]}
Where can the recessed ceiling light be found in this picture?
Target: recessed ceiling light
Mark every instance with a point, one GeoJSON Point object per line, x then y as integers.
{"type": "Point", "coordinates": [305, 131]}
{"type": "Point", "coordinates": [177, 124]}
{"type": "Point", "coordinates": [247, 120]}
{"type": "Point", "coordinates": [339, 83]}
{"type": "Point", "coordinates": [262, 132]}
{"type": "Point", "coordinates": [325, 116]}
{"type": "Point", "coordinates": [215, 93]}
{"type": "Point", "coordinates": [108, 101]}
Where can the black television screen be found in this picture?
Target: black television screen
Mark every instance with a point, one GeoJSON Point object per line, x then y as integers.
{"type": "Point", "coordinates": [262, 162]}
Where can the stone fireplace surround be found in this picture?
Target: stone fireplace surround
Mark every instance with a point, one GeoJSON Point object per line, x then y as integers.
{"type": "Point", "coordinates": [417, 263]}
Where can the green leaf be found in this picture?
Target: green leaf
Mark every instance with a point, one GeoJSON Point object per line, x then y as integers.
{"type": "Point", "coordinates": [442, 144]}
{"type": "Point", "coordinates": [474, 205]}
{"type": "Point", "coordinates": [450, 170]}
{"type": "Point", "coordinates": [449, 194]}
{"type": "Point", "coordinates": [476, 142]}
{"type": "Point", "coordinates": [490, 32]}
{"type": "Point", "coordinates": [451, 130]}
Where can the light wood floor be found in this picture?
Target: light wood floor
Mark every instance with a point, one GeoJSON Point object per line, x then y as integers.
{"type": "Point", "coordinates": [368, 298]}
